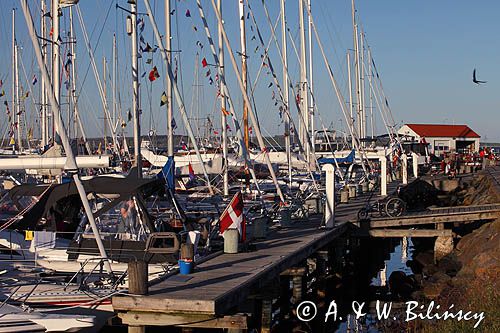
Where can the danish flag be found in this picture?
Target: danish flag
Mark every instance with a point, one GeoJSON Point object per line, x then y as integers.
{"type": "Point", "coordinates": [232, 217]}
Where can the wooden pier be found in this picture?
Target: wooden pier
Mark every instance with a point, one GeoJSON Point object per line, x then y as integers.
{"type": "Point", "coordinates": [210, 296]}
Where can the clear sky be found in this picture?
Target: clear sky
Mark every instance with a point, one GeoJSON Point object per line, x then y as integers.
{"type": "Point", "coordinates": [424, 50]}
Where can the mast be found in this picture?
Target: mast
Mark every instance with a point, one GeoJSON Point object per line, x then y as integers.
{"type": "Point", "coordinates": [241, 8]}
{"type": "Point", "coordinates": [310, 82]}
{"type": "Point", "coordinates": [115, 61]}
{"type": "Point", "coordinates": [135, 93]}
{"type": "Point", "coordinates": [70, 160]}
{"type": "Point", "coordinates": [77, 120]}
{"type": "Point", "coordinates": [253, 118]}
{"type": "Point", "coordinates": [372, 125]}
{"type": "Point", "coordinates": [170, 106]}
{"type": "Point", "coordinates": [304, 98]}
{"type": "Point", "coordinates": [44, 120]}
{"type": "Point", "coordinates": [286, 91]}
{"type": "Point", "coordinates": [351, 104]}
{"type": "Point", "coordinates": [360, 110]}
{"type": "Point", "coordinates": [223, 104]}
{"type": "Point", "coordinates": [104, 113]}
{"type": "Point", "coordinates": [55, 55]}
{"type": "Point", "coordinates": [362, 81]}
{"type": "Point", "coordinates": [14, 111]}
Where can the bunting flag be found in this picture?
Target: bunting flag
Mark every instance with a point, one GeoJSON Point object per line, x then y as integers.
{"type": "Point", "coordinates": [211, 81]}
{"type": "Point", "coordinates": [30, 133]}
{"type": "Point", "coordinates": [47, 14]}
{"type": "Point", "coordinates": [228, 128]}
{"type": "Point", "coordinates": [1, 83]}
{"type": "Point", "coordinates": [216, 132]}
{"type": "Point", "coordinates": [270, 85]}
{"type": "Point", "coordinates": [192, 176]}
{"type": "Point", "coordinates": [148, 48]}
{"type": "Point", "coordinates": [140, 24]}
{"type": "Point", "coordinates": [12, 141]}
{"type": "Point", "coordinates": [208, 73]}
{"type": "Point", "coordinates": [188, 13]}
{"type": "Point", "coordinates": [129, 115]}
{"type": "Point", "coordinates": [2, 93]}
{"type": "Point", "coordinates": [27, 94]}
{"type": "Point", "coordinates": [204, 62]}
{"type": "Point", "coordinates": [172, 12]}
{"type": "Point", "coordinates": [143, 74]}
{"type": "Point", "coordinates": [163, 99]}
{"type": "Point", "coordinates": [141, 39]}
{"type": "Point", "coordinates": [66, 67]}
{"type": "Point", "coordinates": [174, 124]}
{"type": "Point", "coordinates": [153, 75]}
{"type": "Point", "coordinates": [34, 81]}
{"type": "Point", "coordinates": [225, 112]}
{"type": "Point", "coordinates": [149, 61]}
{"type": "Point", "coordinates": [198, 43]}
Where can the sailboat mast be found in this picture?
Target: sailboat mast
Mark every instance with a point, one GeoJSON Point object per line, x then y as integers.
{"type": "Point", "coordinates": [304, 102]}
{"type": "Point", "coordinates": [135, 93]}
{"type": "Point", "coordinates": [55, 54]}
{"type": "Point", "coordinates": [310, 82]}
{"type": "Point", "coordinates": [360, 110]}
{"type": "Point", "coordinates": [14, 110]}
{"type": "Point", "coordinates": [362, 81]}
{"type": "Point", "coordinates": [370, 71]}
{"type": "Point", "coordinates": [104, 113]}
{"type": "Point", "coordinates": [286, 92]}
{"type": "Point", "coordinates": [44, 120]}
{"type": "Point", "coordinates": [243, 44]}
{"type": "Point", "coordinates": [223, 104]}
{"type": "Point", "coordinates": [70, 160]}
{"type": "Point", "coordinates": [115, 56]}
{"type": "Point", "coordinates": [170, 106]}
{"type": "Point", "coordinates": [351, 104]}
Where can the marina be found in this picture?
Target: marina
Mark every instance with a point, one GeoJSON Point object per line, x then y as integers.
{"type": "Point", "coordinates": [213, 166]}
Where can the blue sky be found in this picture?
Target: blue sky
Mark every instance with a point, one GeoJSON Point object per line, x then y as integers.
{"type": "Point", "coordinates": [425, 52]}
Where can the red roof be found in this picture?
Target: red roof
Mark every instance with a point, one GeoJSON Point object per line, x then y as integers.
{"type": "Point", "coordinates": [433, 130]}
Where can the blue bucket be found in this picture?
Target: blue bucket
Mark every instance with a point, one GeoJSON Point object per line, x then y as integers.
{"type": "Point", "coordinates": [185, 267]}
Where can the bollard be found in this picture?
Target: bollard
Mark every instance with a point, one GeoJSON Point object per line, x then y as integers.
{"type": "Point", "coordinates": [330, 195]}
{"type": "Point", "coordinates": [344, 195]}
{"type": "Point", "coordinates": [260, 226]}
{"type": "Point", "coordinates": [231, 239]}
{"type": "Point", "coordinates": [285, 217]}
{"type": "Point", "coordinates": [352, 191]}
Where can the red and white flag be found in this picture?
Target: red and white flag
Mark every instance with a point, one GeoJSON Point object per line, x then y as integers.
{"type": "Point", "coordinates": [232, 217]}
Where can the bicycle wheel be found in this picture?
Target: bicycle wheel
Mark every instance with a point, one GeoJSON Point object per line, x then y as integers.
{"type": "Point", "coordinates": [395, 207]}
{"type": "Point", "coordinates": [362, 214]}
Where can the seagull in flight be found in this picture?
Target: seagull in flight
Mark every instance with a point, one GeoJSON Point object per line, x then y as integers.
{"type": "Point", "coordinates": [476, 81]}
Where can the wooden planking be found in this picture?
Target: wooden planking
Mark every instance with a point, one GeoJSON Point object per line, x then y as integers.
{"type": "Point", "coordinates": [432, 219]}
{"type": "Point", "coordinates": [409, 233]}
{"type": "Point", "coordinates": [137, 318]}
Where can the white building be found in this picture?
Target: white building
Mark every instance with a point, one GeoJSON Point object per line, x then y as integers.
{"type": "Point", "coordinates": [443, 138]}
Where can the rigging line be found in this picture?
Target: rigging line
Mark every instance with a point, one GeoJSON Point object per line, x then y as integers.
{"type": "Point", "coordinates": [90, 47]}
{"type": "Point", "coordinates": [287, 108]}
{"type": "Point", "coordinates": [340, 98]}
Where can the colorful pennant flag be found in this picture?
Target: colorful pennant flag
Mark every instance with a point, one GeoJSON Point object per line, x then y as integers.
{"type": "Point", "coordinates": [153, 75]}
{"type": "Point", "coordinates": [188, 13]}
{"type": "Point", "coordinates": [163, 99]}
{"type": "Point", "coordinates": [34, 81]}
{"type": "Point", "coordinates": [204, 62]}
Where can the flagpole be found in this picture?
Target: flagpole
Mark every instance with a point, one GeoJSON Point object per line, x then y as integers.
{"type": "Point", "coordinates": [351, 104]}
{"type": "Point", "coordinates": [223, 103]}
{"type": "Point", "coordinates": [13, 75]}
{"type": "Point", "coordinates": [43, 99]}
{"type": "Point", "coordinates": [311, 88]}
{"type": "Point", "coordinates": [135, 92]}
{"type": "Point", "coordinates": [70, 158]}
{"type": "Point", "coordinates": [18, 101]}
{"type": "Point", "coordinates": [243, 45]}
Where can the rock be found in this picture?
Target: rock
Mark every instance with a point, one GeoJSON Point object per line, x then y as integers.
{"type": "Point", "coordinates": [425, 258]}
{"type": "Point", "coordinates": [449, 265]}
{"type": "Point", "coordinates": [432, 290]}
{"type": "Point", "coordinates": [440, 277]}
{"type": "Point", "coordinates": [401, 285]}
{"type": "Point", "coordinates": [442, 247]}
{"type": "Point", "coordinates": [429, 270]}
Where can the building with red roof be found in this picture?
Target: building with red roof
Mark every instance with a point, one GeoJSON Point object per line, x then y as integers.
{"type": "Point", "coordinates": [443, 138]}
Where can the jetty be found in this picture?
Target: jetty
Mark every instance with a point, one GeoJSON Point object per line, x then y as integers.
{"type": "Point", "coordinates": [211, 295]}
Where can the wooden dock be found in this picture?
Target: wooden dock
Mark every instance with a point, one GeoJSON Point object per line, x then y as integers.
{"type": "Point", "coordinates": [210, 296]}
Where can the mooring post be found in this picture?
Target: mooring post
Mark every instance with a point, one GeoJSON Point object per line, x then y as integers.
{"type": "Point", "coordinates": [330, 195]}
{"type": "Point", "coordinates": [404, 168]}
{"type": "Point", "coordinates": [414, 160]}
{"type": "Point", "coordinates": [137, 285]}
{"type": "Point", "coordinates": [383, 175]}
{"type": "Point", "coordinates": [267, 315]}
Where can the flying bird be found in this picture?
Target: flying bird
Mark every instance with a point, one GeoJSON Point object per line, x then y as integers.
{"type": "Point", "coordinates": [476, 81]}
